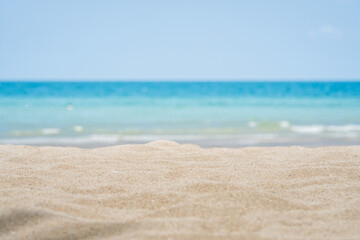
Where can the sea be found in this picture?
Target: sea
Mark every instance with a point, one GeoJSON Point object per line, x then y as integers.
{"type": "Point", "coordinates": [209, 114]}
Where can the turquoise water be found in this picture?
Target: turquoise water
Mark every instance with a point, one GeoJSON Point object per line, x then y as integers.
{"type": "Point", "coordinates": [90, 114]}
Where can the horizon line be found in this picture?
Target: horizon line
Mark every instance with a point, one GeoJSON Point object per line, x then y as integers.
{"type": "Point", "coordinates": [180, 80]}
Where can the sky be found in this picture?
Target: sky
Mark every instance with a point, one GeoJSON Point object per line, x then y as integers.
{"type": "Point", "coordinates": [187, 39]}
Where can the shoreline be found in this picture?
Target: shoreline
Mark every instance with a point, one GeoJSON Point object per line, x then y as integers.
{"type": "Point", "coordinates": [206, 141]}
{"type": "Point", "coordinates": [163, 189]}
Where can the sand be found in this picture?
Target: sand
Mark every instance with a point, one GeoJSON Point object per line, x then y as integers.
{"type": "Point", "coordinates": [163, 190]}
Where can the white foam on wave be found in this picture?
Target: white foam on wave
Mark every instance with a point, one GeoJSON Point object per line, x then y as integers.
{"type": "Point", "coordinates": [284, 124]}
{"type": "Point", "coordinates": [309, 129]}
{"type": "Point", "coordinates": [78, 128]}
{"type": "Point", "coordinates": [252, 124]}
{"type": "Point", "coordinates": [343, 128]}
{"type": "Point", "coordinates": [313, 129]}
{"type": "Point", "coordinates": [50, 131]}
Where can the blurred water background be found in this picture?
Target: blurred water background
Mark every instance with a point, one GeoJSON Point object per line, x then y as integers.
{"type": "Point", "coordinates": [231, 114]}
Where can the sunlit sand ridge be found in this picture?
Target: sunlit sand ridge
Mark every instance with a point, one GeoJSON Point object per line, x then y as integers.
{"type": "Point", "coordinates": [163, 190]}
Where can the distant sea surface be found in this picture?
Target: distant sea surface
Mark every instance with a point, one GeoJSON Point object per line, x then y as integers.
{"type": "Point", "coordinates": [231, 114]}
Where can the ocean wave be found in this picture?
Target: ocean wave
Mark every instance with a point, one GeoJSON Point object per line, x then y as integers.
{"type": "Point", "coordinates": [89, 139]}
{"type": "Point", "coordinates": [117, 139]}
{"type": "Point", "coordinates": [96, 140]}
{"type": "Point", "coordinates": [78, 128]}
{"type": "Point", "coordinates": [36, 132]}
{"type": "Point", "coordinates": [210, 140]}
{"type": "Point", "coordinates": [50, 131]}
{"type": "Point", "coordinates": [271, 125]}
{"type": "Point", "coordinates": [256, 132]}
{"type": "Point", "coordinates": [310, 129]}
{"type": "Point", "coordinates": [285, 126]}
{"type": "Point", "coordinates": [343, 128]}
{"type": "Point", "coordinates": [317, 128]}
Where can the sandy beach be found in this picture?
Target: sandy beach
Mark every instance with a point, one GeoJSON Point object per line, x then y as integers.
{"type": "Point", "coordinates": [164, 190]}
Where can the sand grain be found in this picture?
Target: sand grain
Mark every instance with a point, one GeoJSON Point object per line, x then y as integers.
{"type": "Point", "coordinates": [163, 190]}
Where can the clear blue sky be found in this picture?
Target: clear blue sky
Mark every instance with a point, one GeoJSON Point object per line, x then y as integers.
{"type": "Point", "coordinates": [184, 39]}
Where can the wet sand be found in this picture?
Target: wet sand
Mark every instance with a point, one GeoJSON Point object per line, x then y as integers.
{"type": "Point", "coordinates": [163, 190]}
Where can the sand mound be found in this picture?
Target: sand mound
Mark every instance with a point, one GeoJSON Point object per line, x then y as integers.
{"type": "Point", "coordinates": [163, 190]}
